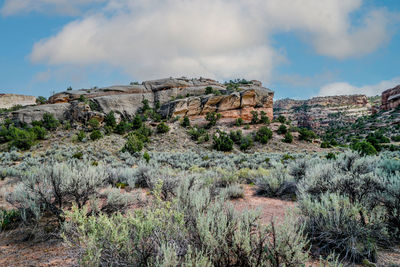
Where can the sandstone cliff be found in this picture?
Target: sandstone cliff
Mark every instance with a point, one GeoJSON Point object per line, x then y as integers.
{"type": "Point", "coordinates": [321, 112]}
{"type": "Point", "coordinates": [176, 97]}
{"type": "Point", "coordinates": [11, 100]}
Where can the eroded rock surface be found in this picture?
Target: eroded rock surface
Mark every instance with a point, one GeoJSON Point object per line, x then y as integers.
{"type": "Point", "coordinates": [391, 98]}
{"type": "Point", "coordinates": [11, 100]}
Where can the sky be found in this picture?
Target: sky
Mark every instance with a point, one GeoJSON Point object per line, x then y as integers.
{"type": "Point", "coordinates": [298, 48]}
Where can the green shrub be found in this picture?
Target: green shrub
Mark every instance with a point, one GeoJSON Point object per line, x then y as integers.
{"type": "Point", "coordinates": [281, 119]}
{"type": "Point", "coordinates": [212, 119]}
{"type": "Point", "coordinates": [122, 127]}
{"type": "Point", "coordinates": [94, 123]}
{"type": "Point", "coordinates": [81, 136]}
{"type": "Point", "coordinates": [20, 138]}
{"type": "Point", "coordinates": [236, 136]}
{"type": "Point", "coordinates": [110, 120]}
{"type": "Point", "coordinates": [133, 144]}
{"type": "Point", "coordinates": [49, 122]}
{"type": "Point", "coordinates": [196, 132]}
{"type": "Point", "coordinates": [396, 138]}
{"type": "Point", "coordinates": [263, 135]}
{"type": "Point", "coordinates": [222, 142]}
{"type": "Point", "coordinates": [306, 135]}
{"type": "Point", "coordinates": [162, 128]}
{"type": "Point", "coordinates": [288, 138]}
{"type": "Point", "coordinates": [41, 100]}
{"type": "Point", "coordinates": [325, 144]}
{"type": "Point", "coordinates": [146, 157]}
{"type": "Point", "coordinates": [8, 219]}
{"type": "Point", "coordinates": [282, 129]}
{"type": "Point", "coordinates": [246, 143]}
{"type": "Point", "coordinates": [254, 117]}
{"type": "Point", "coordinates": [40, 132]}
{"type": "Point", "coordinates": [185, 122]}
{"type": "Point", "coordinates": [137, 122]}
{"type": "Point", "coordinates": [209, 90]}
{"type": "Point", "coordinates": [78, 155]}
{"type": "Point", "coordinates": [234, 191]}
{"type": "Point", "coordinates": [364, 148]}
{"type": "Point", "coordinates": [263, 118]}
{"type": "Point", "coordinates": [96, 135]}
{"type": "Point", "coordinates": [239, 122]}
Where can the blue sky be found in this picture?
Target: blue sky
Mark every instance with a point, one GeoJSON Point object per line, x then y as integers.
{"type": "Point", "coordinates": [298, 48]}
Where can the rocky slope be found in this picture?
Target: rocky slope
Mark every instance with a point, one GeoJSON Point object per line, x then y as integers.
{"type": "Point", "coordinates": [175, 96]}
{"type": "Point", "coordinates": [319, 113]}
{"type": "Point", "coordinates": [11, 100]}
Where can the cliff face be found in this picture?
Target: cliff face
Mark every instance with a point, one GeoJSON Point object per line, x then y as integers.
{"type": "Point", "coordinates": [391, 98]}
{"type": "Point", "coordinates": [10, 100]}
{"type": "Point", "coordinates": [320, 112]}
{"type": "Point", "coordinates": [176, 96]}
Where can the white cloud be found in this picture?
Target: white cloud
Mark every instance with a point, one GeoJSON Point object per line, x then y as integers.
{"type": "Point", "coordinates": [343, 88]}
{"type": "Point", "coordinates": [216, 38]}
{"type": "Point", "coordinates": [64, 7]}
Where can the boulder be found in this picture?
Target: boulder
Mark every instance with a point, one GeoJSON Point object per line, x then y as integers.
{"type": "Point", "coordinates": [35, 113]}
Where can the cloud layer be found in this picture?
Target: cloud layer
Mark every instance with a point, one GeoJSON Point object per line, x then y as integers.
{"type": "Point", "coordinates": [343, 88]}
{"type": "Point", "coordinates": [220, 39]}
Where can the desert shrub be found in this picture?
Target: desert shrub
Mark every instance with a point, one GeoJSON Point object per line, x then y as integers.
{"type": "Point", "coordinates": [81, 136]}
{"type": "Point", "coordinates": [20, 138]}
{"type": "Point", "coordinates": [212, 119]}
{"type": "Point", "coordinates": [110, 120]}
{"type": "Point", "coordinates": [330, 155]}
{"type": "Point", "coordinates": [333, 224]}
{"type": "Point", "coordinates": [146, 156]}
{"type": "Point", "coordinates": [325, 144]}
{"type": "Point", "coordinates": [222, 142]}
{"type": "Point", "coordinates": [49, 122]}
{"type": "Point", "coordinates": [40, 132]}
{"type": "Point", "coordinates": [276, 183]}
{"type": "Point", "coordinates": [196, 132]}
{"type": "Point", "coordinates": [236, 136]}
{"type": "Point", "coordinates": [209, 90]}
{"type": "Point", "coordinates": [254, 117]}
{"type": "Point", "coordinates": [246, 142]}
{"type": "Point", "coordinates": [143, 133]}
{"type": "Point", "coordinates": [185, 122]}
{"type": "Point", "coordinates": [94, 123]}
{"type": "Point", "coordinates": [133, 144]}
{"type": "Point", "coordinates": [306, 135]}
{"type": "Point", "coordinates": [281, 119]}
{"type": "Point", "coordinates": [396, 138]}
{"type": "Point", "coordinates": [282, 129]}
{"type": "Point", "coordinates": [41, 100]}
{"type": "Point", "coordinates": [263, 135]}
{"type": "Point", "coordinates": [288, 138]}
{"type": "Point", "coordinates": [233, 192]}
{"type": "Point", "coordinates": [162, 128]}
{"type": "Point", "coordinates": [239, 122]}
{"type": "Point", "coordinates": [116, 201]}
{"type": "Point", "coordinates": [192, 229]}
{"type": "Point", "coordinates": [51, 187]}
{"type": "Point", "coordinates": [122, 127]}
{"type": "Point", "coordinates": [137, 122]}
{"type": "Point", "coordinates": [364, 148]}
{"type": "Point", "coordinates": [96, 135]}
{"type": "Point", "coordinates": [264, 118]}
{"type": "Point", "coordinates": [298, 168]}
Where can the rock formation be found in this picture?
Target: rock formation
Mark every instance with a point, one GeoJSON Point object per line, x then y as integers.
{"type": "Point", "coordinates": [391, 98]}
{"type": "Point", "coordinates": [175, 96]}
{"type": "Point", "coordinates": [321, 112]}
{"type": "Point", "coordinates": [11, 100]}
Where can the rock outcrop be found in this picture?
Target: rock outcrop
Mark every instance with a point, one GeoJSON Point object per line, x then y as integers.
{"type": "Point", "coordinates": [391, 98]}
{"type": "Point", "coordinates": [231, 106]}
{"type": "Point", "coordinates": [175, 96]}
{"type": "Point", "coordinates": [321, 112]}
{"type": "Point", "coordinates": [35, 113]}
{"type": "Point", "coordinates": [11, 100]}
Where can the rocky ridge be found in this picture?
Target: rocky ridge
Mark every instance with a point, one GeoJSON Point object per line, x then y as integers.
{"type": "Point", "coordinates": [175, 96]}
{"type": "Point", "coordinates": [391, 98]}
{"type": "Point", "coordinates": [321, 112]}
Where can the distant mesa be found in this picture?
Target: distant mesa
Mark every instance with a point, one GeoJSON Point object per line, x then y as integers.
{"type": "Point", "coordinates": [11, 100]}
